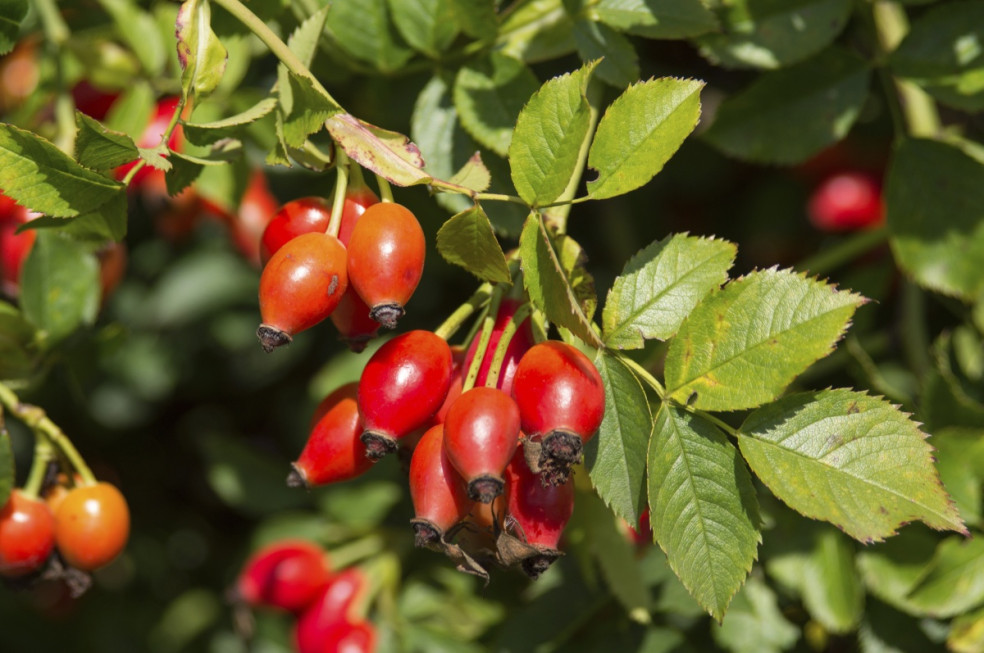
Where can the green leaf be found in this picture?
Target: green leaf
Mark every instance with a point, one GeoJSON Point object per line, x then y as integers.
{"type": "Point", "coordinates": [38, 175]}
{"type": "Point", "coordinates": [549, 285]}
{"type": "Point", "coordinates": [536, 30]}
{"type": "Point", "coordinates": [960, 461]}
{"type": "Point", "coordinates": [891, 569]}
{"type": "Point", "coordinates": [934, 203]}
{"type": "Point", "coordinates": [789, 115]}
{"type": "Point", "coordinates": [549, 134]}
{"type": "Point", "coordinates": [443, 144]}
{"type": "Point", "coordinates": [210, 132]}
{"type": "Point", "coordinates": [7, 472]}
{"type": "Point", "coordinates": [473, 175]}
{"type": "Point", "coordinates": [942, 53]}
{"type": "Point", "coordinates": [59, 285]}
{"type": "Point", "coordinates": [620, 64]}
{"type": "Point", "coordinates": [639, 133]}
{"type": "Point", "coordinates": [387, 153]}
{"type": "Point", "coordinates": [657, 19]}
{"type": "Point", "coordinates": [200, 53]}
{"type": "Point", "coordinates": [489, 94]}
{"type": "Point", "coordinates": [754, 623]}
{"type": "Point", "coordinates": [955, 581]}
{"type": "Point", "coordinates": [138, 30]}
{"type": "Point", "coordinates": [17, 351]}
{"type": "Point", "coordinates": [661, 285]}
{"type": "Point", "coordinates": [185, 169]}
{"type": "Point", "coordinates": [363, 29]}
{"type": "Point", "coordinates": [98, 148]}
{"type": "Point", "coordinates": [967, 633]}
{"type": "Point", "coordinates": [477, 18]}
{"type": "Point", "coordinates": [132, 110]}
{"type": "Point", "coordinates": [615, 556]}
{"type": "Point", "coordinates": [850, 459]}
{"type": "Point", "coordinates": [702, 507]}
{"type": "Point", "coordinates": [467, 240]}
{"type": "Point", "coordinates": [832, 590]}
{"type": "Point", "coordinates": [427, 25]}
{"type": "Point", "coordinates": [12, 14]}
{"type": "Point", "coordinates": [310, 108]}
{"type": "Point", "coordinates": [616, 458]}
{"type": "Point", "coordinates": [745, 343]}
{"type": "Point", "coordinates": [771, 34]}
{"type": "Point", "coordinates": [303, 42]}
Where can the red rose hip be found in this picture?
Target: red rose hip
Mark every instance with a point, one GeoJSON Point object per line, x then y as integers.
{"type": "Point", "coordinates": [561, 403]}
{"type": "Point", "coordinates": [27, 535]}
{"type": "Point", "coordinates": [402, 386]}
{"type": "Point", "coordinates": [436, 489]}
{"type": "Point", "coordinates": [301, 285]}
{"type": "Point", "coordinates": [481, 433]}
{"type": "Point", "coordinates": [288, 574]}
{"type": "Point", "coordinates": [386, 259]}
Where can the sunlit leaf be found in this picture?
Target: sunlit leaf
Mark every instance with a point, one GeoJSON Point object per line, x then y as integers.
{"type": "Point", "coordinates": [467, 239]}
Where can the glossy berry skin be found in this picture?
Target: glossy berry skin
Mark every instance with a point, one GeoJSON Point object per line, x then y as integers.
{"type": "Point", "coordinates": [402, 386]}
{"type": "Point", "coordinates": [300, 286]}
{"type": "Point", "coordinates": [288, 574]}
{"type": "Point", "coordinates": [521, 342]}
{"type": "Point", "coordinates": [847, 201]}
{"type": "Point", "coordinates": [92, 525]}
{"type": "Point", "coordinates": [386, 259]}
{"type": "Point", "coordinates": [14, 247]}
{"type": "Point", "coordinates": [539, 512]}
{"type": "Point", "coordinates": [346, 637]}
{"type": "Point", "coordinates": [334, 605]}
{"type": "Point", "coordinates": [561, 403]}
{"type": "Point", "coordinates": [301, 216]}
{"type": "Point", "coordinates": [436, 489]}
{"type": "Point", "coordinates": [333, 452]}
{"type": "Point", "coordinates": [151, 137]}
{"type": "Point", "coordinates": [481, 433]}
{"type": "Point", "coordinates": [27, 535]}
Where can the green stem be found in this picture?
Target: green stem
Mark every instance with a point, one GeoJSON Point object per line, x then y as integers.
{"type": "Point", "coordinates": [454, 321]}
{"type": "Point", "coordinates": [44, 453]}
{"type": "Point", "coordinates": [353, 552]}
{"type": "Point", "coordinates": [915, 335]}
{"type": "Point", "coordinates": [385, 191]}
{"type": "Point", "coordinates": [844, 252]}
{"type": "Point", "coordinates": [272, 41]}
{"type": "Point", "coordinates": [56, 34]}
{"type": "Point", "coordinates": [488, 324]}
{"type": "Point", "coordinates": [919, 109]}
{"type": "Point", "coordinates": [39, 422]}
{"type": "Point", "coordinates": [523, 312]}
{"type": "Point", "coordinates": [497, 197]}
{"type": "Point", "coordinates": [341, 187]}
{"type": "Point", "coordinates": [724, 426]}
{"type": "Point", "coordinates": [165, 137]}
{"type": "Point", "coordinates": [55, 28]}
{"type": "Point", "coordinates": [644, 374]}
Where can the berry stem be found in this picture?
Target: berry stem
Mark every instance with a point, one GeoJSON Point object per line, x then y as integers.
{"type": "Point", "coordinates": [643, 374]}
{"type": "Point", "coordinates": [385, 192]}
{"type": "Point", "coordinates": [43, 427]}
{"type": "Point", "coordinates": [341, 187]}
{"type": "Point", "coordinates": [454, 321]}
{"type": "Point", "coordinates": [352, 552]}
{"type": "Point", "coordinates": [488, 324]}
{"type": "Point", "coordinates": [499, 355]}
{"type": "Point", "coordinates": [44, 453]}
{"type": "Point", "coordinates": [165, 137]}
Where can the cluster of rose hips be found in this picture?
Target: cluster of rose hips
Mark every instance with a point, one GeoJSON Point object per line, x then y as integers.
{"type": "Point", "coordinates": [490, 441]}
{"type": "Point", "coordinates": [88, 524]}
{"type": "Point", "coordinates": [359, 269]}
{"type": "Point", "coordinates": [295, 576]}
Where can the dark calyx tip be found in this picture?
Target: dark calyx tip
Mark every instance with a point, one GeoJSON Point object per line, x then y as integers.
{"type": "Point", "coordinates": [535, 565]}
{"type": "Point", "coordinates": [358, 344]}
{"type": "Point", "coordinates": [485, 488]}
{"type": "Point", "coordinates": [377, 445]}
{"type": "Point", "coordinates": [560, 450]}
{"type": "Point", "coordinates": [272, 337]}
{"type": "Point", "coordinates": [297, 477]}
{"type": "Point", "coordinates": [387, 314]}
{"type": "Point", "coordinates": [426, 535]}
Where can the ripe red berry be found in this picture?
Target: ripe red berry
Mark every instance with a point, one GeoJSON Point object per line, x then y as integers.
{"type": "Point", "coordinates": [345, 637]}
{"type": "Point", "coordinates": [333, 451]}
{"type": "Point", "coordinates": [561, 403]}
{"type": "Point", "coordinates": [27, 534]}
{"type": "Point", "coordinates": [14, 247]}
{"type": "Point", "coordinates": [300, 286]}
{"type": "Point", "coordinates": [386, 259]}
{"type": "Point", "coordinates": [351, 317]}
{"type": "Point", "coordinates": [402, 386]}
{"type": "Point", "coordinates": [521, 342]}
{"type": "Point", "coordinates": [845, 202]}
{"type": "Point", "coordinates": [334, 605]}
{"type": "Point", "coordinates": [92, 525]}
{"type": "Point", "coordinates": [481, 433]}
{"type": "Point", "coordinates": [246, 225]}
{"type": "Point", "coordinates": [537, 513]}
{"type": "Point", "coordinates": [301, 216]}
{"type": "Point", "coordinates": [288, 574]}
{"type": "Point", "coordinates": [436, 489]}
